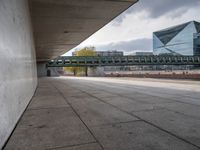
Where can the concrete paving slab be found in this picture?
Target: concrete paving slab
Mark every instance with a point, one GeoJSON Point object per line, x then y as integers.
{"type": "Point", "coordinates": [129, 105]}
{"type": "Point", "coordinates": [124, 89]}
{"type": "Point", "coordinates": [47, 102]}
{"type": "Point", "coordinates": [79, 96]}
{"type": "Point", "coordinates": [169, 125]}
{"type": "Point", "coordinates": [43, 82]}
{"type": "Point", "coordinates": [81, 92]}
{"type": "Point", "coordinates": [44, 85]}
{"type": "Point", "coordinates": [183, 126]}
{"type": "Point", "coordinates": [48, 128]}
{"type": "Point", "coordinates": [94, 91]}
{"type": "Point", "coordinates": [186, 99]}
{"type": "Point", "coordinates": [77, 99]}
{"type": "Point", "coordinates": [135, 96]}
{"type": "Point", "coordinates": [74, 93]}
{"type": "Point", "coordinates": [93, 146]}
{"type": "Point", "coordinates": [173, 95]}
{"type": "Point", "coordinates": [70, 93]}
{"type": "Point", "coordinates": [183, 108]}
{"type": "Point", "coordinates": [165, 94]}
{"type": "Point", "coordinates": [138, 136]}
{"type": "Point", "coordinates": [129, 92]}
{"type": "Point", "coordinates": [46, 92]}
{"type": "Point", "coordinates": [94, 112]}
{"type": "Point", "coordinates": [141, 97]}
{"type": "Point", "coordinates": [102, 94]}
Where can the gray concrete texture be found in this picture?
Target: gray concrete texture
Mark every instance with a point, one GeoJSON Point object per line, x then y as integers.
{"type": "Point", "coordinates": [18, 75]}
{"type": "Point", "coordinates": [110, 114]}
{"type": "Point", "coordinates": [61, 25]}
{"type": "Point", "coordinates": [42, 70]}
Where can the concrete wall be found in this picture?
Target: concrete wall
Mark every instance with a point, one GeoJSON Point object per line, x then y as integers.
{"type": "Point", "coordinates": [41, 69]}
{"type": "Point", "coordinates": [18, 75]}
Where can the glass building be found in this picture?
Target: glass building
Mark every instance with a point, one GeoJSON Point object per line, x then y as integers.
{"type": "Point", "coordinates": [183, 39]}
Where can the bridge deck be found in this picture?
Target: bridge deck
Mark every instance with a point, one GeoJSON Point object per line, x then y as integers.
{"type": "Point", "coordinates": [110, 114]}
{"type": "Point", "coordinates": [78, 61]}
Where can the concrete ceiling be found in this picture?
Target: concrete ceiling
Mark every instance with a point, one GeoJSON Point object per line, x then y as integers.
{"type": "Point", "coordinates": [60, 25]}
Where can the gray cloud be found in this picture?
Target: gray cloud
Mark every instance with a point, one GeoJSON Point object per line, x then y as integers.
{"type": "Point", "coordinates": [128, 46]}
{"type": "Point", "coordinates": [157, 8]}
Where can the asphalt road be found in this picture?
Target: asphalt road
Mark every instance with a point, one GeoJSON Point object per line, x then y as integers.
{"type": "Point", "coordinates": [79, 113]}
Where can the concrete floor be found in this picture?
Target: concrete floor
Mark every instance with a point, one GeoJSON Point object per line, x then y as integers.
{"type": "Point", "coordinates": [110, 114]}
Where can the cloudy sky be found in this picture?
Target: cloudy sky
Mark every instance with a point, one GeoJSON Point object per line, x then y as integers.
{"type": "Point", "coordinates": [132, 30]}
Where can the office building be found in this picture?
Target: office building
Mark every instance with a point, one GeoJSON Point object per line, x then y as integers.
{"type": "Point", "coordinates": [182, 39]}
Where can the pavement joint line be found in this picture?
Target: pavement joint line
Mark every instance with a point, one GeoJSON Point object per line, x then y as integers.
{"type": "Point", "coordinates": [70, 146]}
{"type": "Point", "coordinates": [30, 109]}
{"type": "Point", "coordinates": [158, 107]}
{"type": "Point", "coordinates": [138, 116]}
{"type": "Point", "coordinates": [146, 110]}
{"type": "Point", "coordinates": [120, 94]}
{"type": "Point", "coordinates": [182, 113]}
{"type": "Point", "coordinates": [170, 101]}
{"type": "Point", "coordinates": [79, 116]}
{"type": "Point", "coordinates": [172, 98]}
{"type": "Point", "coordinates": [117, 123]}
{"type": "Point", "coordinates": [130, 98]}
{"type": "Point", "coordinates": [166, 131]}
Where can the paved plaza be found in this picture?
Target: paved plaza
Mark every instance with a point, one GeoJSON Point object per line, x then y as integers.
{"type": "Point", "coordinates": [79, 113]}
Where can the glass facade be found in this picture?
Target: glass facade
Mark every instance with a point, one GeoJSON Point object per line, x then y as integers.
{"type": "Point", "coordinates": [179, 40]}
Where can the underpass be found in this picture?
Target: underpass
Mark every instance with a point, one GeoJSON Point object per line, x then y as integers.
{"type": "Point", "coordinates": [77, 113]}
{"type": "Point", "coordinates": [70, 113]}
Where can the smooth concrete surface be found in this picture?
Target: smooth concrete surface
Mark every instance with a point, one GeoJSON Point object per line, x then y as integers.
{"type": "Point", "coordinates": [18, 77]}
{"type": "Point", "coordinates": [80, 113]}
{"type": "Point", "coordinates": [42, 70]}
{"type": "Point", "coordinates": [60, 25]}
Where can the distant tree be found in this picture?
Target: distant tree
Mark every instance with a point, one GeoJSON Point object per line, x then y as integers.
{"type": "Point", "coordinates": [74, 70]}
{"type": "Point", "coordinates": [86, 51]}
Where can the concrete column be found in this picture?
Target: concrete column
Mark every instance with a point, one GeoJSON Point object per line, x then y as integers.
{"type": "Point", "coordinates": [41, 69]}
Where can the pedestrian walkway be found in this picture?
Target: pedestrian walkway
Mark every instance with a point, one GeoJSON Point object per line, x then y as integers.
{"type": "Point", "coordinates": [110, 114]}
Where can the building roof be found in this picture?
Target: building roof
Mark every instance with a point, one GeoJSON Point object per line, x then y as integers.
{"type": "Point", "coordinates": [167, 34]}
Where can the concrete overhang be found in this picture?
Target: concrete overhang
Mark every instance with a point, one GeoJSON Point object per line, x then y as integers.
{"type": "Point", "coordinates": [60, 25]}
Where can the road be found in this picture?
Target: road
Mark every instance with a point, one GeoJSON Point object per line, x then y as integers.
{"type": "Point", "coordinates": [84, 113]}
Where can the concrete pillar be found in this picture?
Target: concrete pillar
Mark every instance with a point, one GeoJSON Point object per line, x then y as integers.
{"type": "Point", "coordinates": [41, 69]}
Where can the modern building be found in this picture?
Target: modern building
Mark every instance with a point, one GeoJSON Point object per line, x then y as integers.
{"type": "Point", "coordinates": [182, 39]}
